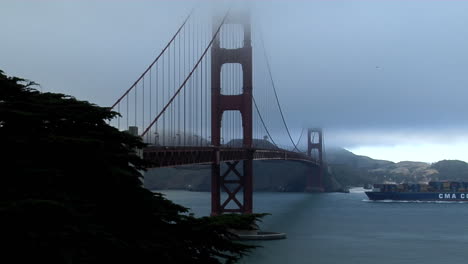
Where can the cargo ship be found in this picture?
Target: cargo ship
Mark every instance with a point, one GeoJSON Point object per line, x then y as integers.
{"type": "Point", "coordinates": [433, 191]}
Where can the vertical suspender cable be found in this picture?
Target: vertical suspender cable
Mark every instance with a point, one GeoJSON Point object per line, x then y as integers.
{"type": "Point", "coordinates": [206, 96]}
{"type": "Point", "coordinates": [276, 95]}
{"type": "Point", "coordinates": [187, 78]}
{"type": "Point", "coordinates": [190, 88]}
{"type": "Point", "coordinates": [136, 88]}
{"type": "Point", "coordinates": [163, 132]}
{"type": "Point", "coordinates": [174, 105]}
{"type": "Point", "coordinates": [150, 102]}
{"type": "Point", "coordinates": [189, 92]}
{"type": "Point", "coordinates": [179, 105]}
{"type": "Point", "coordinates": [155, 60]}
{"type": "Point", "coordinates": [156, 140]}
{"type": "Point", "coordinates": [263, 123]}
{"type": "Point", "coordinates": [118, 120]}
{"type": "Point", "coordinates": [197, 71]}
{"type": "Point", "coordinates": [185, 92]}
{"type": "Point", "coordinates": [128, 112]}
{"type": "Point", "coordinates": [200, 106]}
{"type": "Point", "coordinates": [169, 113]}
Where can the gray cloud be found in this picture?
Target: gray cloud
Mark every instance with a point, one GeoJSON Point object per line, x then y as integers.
{"type": "Point", "coordinates": [369, 72]}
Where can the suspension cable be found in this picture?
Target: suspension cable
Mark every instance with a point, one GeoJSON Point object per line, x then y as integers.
{"type": "Point", "coordinates": [276, 95]}
{"type": "Point", "coordinates": [298, 141]}
{"type": "Point", "coordinates": [189, 75]}
{"type": "Point", "coordinates": [263, 123]}
{"type": "Point", "coordinates": [155, 60]}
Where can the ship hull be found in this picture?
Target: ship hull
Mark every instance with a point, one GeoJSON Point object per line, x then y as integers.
{"type": "Point", "coordinates": [418, 196]}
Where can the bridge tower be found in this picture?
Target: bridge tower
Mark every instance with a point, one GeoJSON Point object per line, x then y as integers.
{"type": "Point", "coordinates": [315, 144]}
{"type": "Point", "coordinates": [231, 180]}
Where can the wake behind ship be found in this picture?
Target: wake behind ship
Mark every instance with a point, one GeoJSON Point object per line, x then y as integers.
{"type": "Point", "coordinates": [434, 191]}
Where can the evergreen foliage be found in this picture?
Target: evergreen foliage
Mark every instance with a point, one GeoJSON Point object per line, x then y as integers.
{"type": "Point", "coordinates": [71, 192]}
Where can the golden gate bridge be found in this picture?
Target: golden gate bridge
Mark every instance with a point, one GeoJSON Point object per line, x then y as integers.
{"type": "Point", "coordinates": [203, 100]}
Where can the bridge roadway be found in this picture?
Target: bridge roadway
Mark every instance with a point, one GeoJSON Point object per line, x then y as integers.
{"type": "Point", "coordinates": [160, 157]}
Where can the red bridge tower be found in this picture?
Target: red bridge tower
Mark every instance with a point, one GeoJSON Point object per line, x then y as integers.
{"type": "Point", "coordinates": [231, 180]}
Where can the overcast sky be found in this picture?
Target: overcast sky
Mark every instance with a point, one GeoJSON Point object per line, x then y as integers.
{"type": "Point", "coordinates": [384, 78]}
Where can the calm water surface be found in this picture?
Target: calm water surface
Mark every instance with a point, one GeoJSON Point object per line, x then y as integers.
{"type": "Point", "coordinates": [346, 228]}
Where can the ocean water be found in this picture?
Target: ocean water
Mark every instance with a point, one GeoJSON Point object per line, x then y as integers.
{"type": "Point", "coordinates": [347, 228]}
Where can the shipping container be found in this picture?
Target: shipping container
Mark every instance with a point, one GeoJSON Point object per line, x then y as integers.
{"type": "Point", "coordinates": [464, 185]}
{"type": "Point", "coordinates": [436, 185]}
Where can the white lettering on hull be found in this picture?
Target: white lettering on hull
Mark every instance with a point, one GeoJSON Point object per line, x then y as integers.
{"type": "Point", "coordinates": [453, 196]}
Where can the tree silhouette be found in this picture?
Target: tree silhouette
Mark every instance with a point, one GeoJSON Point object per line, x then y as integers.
{"type": "Point", "coordinates": [70, 191]}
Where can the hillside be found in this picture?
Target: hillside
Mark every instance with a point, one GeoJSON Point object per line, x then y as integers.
{"type": "Point", "coordinates": [354, 170]}
{"type": "Point", "coordinates": [277, 175]}
{"type": "Point", "coordinates": [344, 169]}
{"type": "Point", "coordinates": [341, 156]}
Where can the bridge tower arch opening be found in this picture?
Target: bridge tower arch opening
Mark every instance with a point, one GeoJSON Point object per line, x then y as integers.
{"type": "Point", "coordinates": [241, 54]}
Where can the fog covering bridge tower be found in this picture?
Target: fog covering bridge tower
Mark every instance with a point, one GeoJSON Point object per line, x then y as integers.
{"type": "Point", "coordinates": [231, 180]}
{"type": "Point", "coordinates": [315, 147]}
{"type": "Point", "coordinates": [170, 104]}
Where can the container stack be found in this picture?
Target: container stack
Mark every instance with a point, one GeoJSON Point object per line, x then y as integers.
{"type": "Point", "coordinates": [414, 187]}
{"type": "Point", "coordinates": [386, 187]}
{"type": "Point", "coordinates": [463, 187]}
{"type": "Point", "coordinates": [446, 186]}
{"type": "Point", "coordinates": [437, 186]}
{"type": "Point", "coordinates": [423, 188]}
{"type": "Point", "coordinates": [454, 186]}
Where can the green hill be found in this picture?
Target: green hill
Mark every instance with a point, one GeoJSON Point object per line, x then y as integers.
{"type": "Point", "coordinates": [344, 168]}
{"type": "Point", "coordinates": [354, 170]}
{"type": "Point", "coordinates": [454, 170]}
